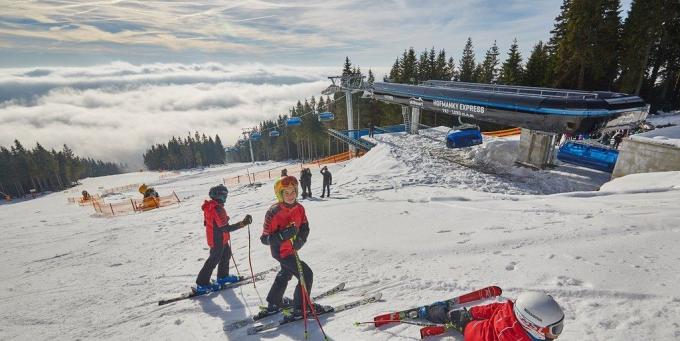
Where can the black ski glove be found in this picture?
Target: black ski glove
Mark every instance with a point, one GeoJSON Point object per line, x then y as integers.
{"type": "Point", "coordinates": [247, 220]}
{"type": "Point", "coordinates": [287, 234]}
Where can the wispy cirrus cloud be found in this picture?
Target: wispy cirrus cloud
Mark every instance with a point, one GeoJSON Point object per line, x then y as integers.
{"type": "Point", "coordinates": [116, 111]}
{"type": "Point", "coordinates": [300, 32]}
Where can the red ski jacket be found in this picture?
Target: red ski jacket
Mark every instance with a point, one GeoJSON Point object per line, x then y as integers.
{"type": "Point", "coordinates": [278, 218]}
{"type": "Point", "coordinates": [215, 218]}
{"type": "Point", "coordinates": [495, 322]}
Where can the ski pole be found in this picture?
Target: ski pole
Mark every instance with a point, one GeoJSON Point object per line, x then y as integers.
{"type": "Point", "coordinates": [415, 323]}
{"type": "Point", "coordinates": [305, 296]}
{"type": "Point", "coordinates": [250, 263]}
{"type": "Point", "coordinates": [234, 259]}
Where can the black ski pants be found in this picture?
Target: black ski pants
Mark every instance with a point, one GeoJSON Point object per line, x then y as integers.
{"type": "Point", "coordinates": [326, 186]}
{"type": "Point", "coordinates": [219, 257]}
{"type": "Point", "coordinates": [307, 188]}
{"type": "Point", "coordinates": [288, 270]}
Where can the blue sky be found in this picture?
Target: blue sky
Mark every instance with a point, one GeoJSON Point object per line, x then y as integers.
{"type": "Point", "coordinates": [371, 33]}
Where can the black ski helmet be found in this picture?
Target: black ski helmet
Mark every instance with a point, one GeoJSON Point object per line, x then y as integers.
{"type": "Point", "coordinates": [219, 193]}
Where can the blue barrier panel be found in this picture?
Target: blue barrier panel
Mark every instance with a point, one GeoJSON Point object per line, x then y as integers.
{"type": "Point", "coordinates": [590, 156]}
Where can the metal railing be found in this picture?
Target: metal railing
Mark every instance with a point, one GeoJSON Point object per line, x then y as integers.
{"type": "Point", "coordinates": [357, 142]}
{"type": "Point", "coordinates": [513, 89]}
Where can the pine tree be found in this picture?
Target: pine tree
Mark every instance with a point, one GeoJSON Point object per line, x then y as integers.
{"type": "Point", "coordinates": [512, 70]}
{"type": "Point", "coordinates": [423, 67]}
{"type": "Point", "coordinates": [556, 37]}
{"type": "Point", "coordinates": [451, 73]}
{"type": "Point", "coordinates": [587, 52]}
{"type": "Point", "coordinates": [489, 68]}
{"type": "Point", "coordinates": [467, 63]}
{"type": "Point", "coordinates": [347, 68]}
{"type": "Point", "coordinates": [537, 66]}
{"type": "Point", "coordinates": [441, 71]}
{"type": "Point", "coordinates": [371, 78]}
{"type": "Point", "coordinates": [408, 71]}
{"type": "Point", "coordinates": [395, 75]}
{"type": "Point", "coordinates": [641, 31]}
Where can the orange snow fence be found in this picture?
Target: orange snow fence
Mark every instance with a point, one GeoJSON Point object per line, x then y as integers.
{"type": "Point", "coordinates": [134, 205]}
{"type": "Point", "coordinates": [84, 202]}
{"type": "Point", "coordinates": [344, 156]}
{"type": "Point", "coordinates": [503, 133]}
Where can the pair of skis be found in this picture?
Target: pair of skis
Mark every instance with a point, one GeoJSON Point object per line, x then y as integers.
{"type": "Point", "coordinates": [242, 281]}
{"type": "Point", "coordinates": [242, 323]}
{"type": "Point", "coordinates": [331, 310]}
{"type": "Point", "coordinates": [429, 329]}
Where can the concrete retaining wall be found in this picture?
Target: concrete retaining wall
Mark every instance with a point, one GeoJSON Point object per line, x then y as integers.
{"type": "Point", "coordinates": [638, 156]}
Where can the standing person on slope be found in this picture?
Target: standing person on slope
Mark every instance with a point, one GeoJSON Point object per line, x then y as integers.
{"type": "Point", "coordinates": [533, 316]}
{"type": "Point", "coordinates": [327, 180]}
{"type": "Point", "coordinates": [286, 230]}
{"type": "Point", "coordinates": [217, 230]}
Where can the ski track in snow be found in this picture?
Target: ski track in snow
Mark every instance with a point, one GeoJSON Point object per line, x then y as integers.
{"type": "Point", "coordinates": [411, 219]}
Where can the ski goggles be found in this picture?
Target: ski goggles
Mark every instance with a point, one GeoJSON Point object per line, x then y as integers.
{"type": "Point", "coordinates": [550, 332]}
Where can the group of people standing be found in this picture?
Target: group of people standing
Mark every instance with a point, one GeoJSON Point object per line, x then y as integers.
{"type": "Point", "coordinates": [533, 316]}
{"type": "Point", "coordinates": [306, 182]}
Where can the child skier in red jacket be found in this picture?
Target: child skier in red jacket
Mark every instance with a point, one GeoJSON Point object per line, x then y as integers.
{"type": "Point", "coordinates": [217, 230]}
{"type": "Point", "coordinates": [286, 230]}
{"type": "Point", "coordinates": [533, 316]}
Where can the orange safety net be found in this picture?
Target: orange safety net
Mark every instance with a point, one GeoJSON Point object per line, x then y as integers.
{"type": "Point", "coordinates": [503, 133]}
{"type": "Point", "coordinates": [84, 202]}
{"type": "Point", "coordinates": [134, 205]}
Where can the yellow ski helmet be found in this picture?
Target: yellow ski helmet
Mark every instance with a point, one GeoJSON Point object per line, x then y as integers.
{"type": "Point", "coordinates": [143, 188]}
{"type": "Point", "coordinates": [282, 183]}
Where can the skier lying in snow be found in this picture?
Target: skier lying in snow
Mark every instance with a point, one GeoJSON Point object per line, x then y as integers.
{"type": "Point", "coordinates": [217, 230]}
{"type": "Point", "coordinates": [533, 316]}
{"type": "Point", "coordinates": [285, 231]}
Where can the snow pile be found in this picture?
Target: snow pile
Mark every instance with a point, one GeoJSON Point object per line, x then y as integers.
{"type": "Point", "coordinates": [406, 160]}
{"type": "Point", "coordinates": [658, 181]}
{"type": "Point", "coordinates": [663, 118]}
{"type": "Point", "coordinates": [668, 136]}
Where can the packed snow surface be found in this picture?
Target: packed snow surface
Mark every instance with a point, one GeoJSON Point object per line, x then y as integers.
{"type": "Point", "coordinates": [410, 219]}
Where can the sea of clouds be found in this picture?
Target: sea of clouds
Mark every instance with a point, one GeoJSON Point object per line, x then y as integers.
{"type": "Point", "coordinates": [114, 112]}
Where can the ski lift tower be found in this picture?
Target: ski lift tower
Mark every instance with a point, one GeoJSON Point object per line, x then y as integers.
{"type": "Point", "coordinates": [246, 134]}
{"type": "Point", "coordinates": [349, 84]}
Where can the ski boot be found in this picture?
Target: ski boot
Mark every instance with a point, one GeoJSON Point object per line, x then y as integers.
{"type": "Point", "coordinates": [222, 281]}
{"type": "Point", "coordinates": [436, 312]}
{"type": "Point", "coordinates": [203, 289]}
{"type": "Point", "coordinates": [297, 314]}
{"type": "Point", "coordinates": [272, 309]}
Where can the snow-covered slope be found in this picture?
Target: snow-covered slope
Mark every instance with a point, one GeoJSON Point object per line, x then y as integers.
{"type": "Point", "coordinates": [410, 219]}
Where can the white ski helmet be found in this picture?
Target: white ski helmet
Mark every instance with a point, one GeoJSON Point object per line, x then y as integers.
{"type": "Point", "coordinates": [540, 315]}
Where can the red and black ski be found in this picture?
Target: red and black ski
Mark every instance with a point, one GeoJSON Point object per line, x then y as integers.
{"type": "Point", "coordinates": [476, 295]}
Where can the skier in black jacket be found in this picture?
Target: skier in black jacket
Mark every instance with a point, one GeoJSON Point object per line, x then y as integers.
{"type": "Point", "coordinates": [327, 180]}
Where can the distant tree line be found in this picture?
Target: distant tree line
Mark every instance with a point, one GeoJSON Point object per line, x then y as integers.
{"type": "Point", "coordinates": [23, 170]}
{"type": "Point", "coordinates": [590, 48]}
{"type": "Point", "coordinates": [191, 152]}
